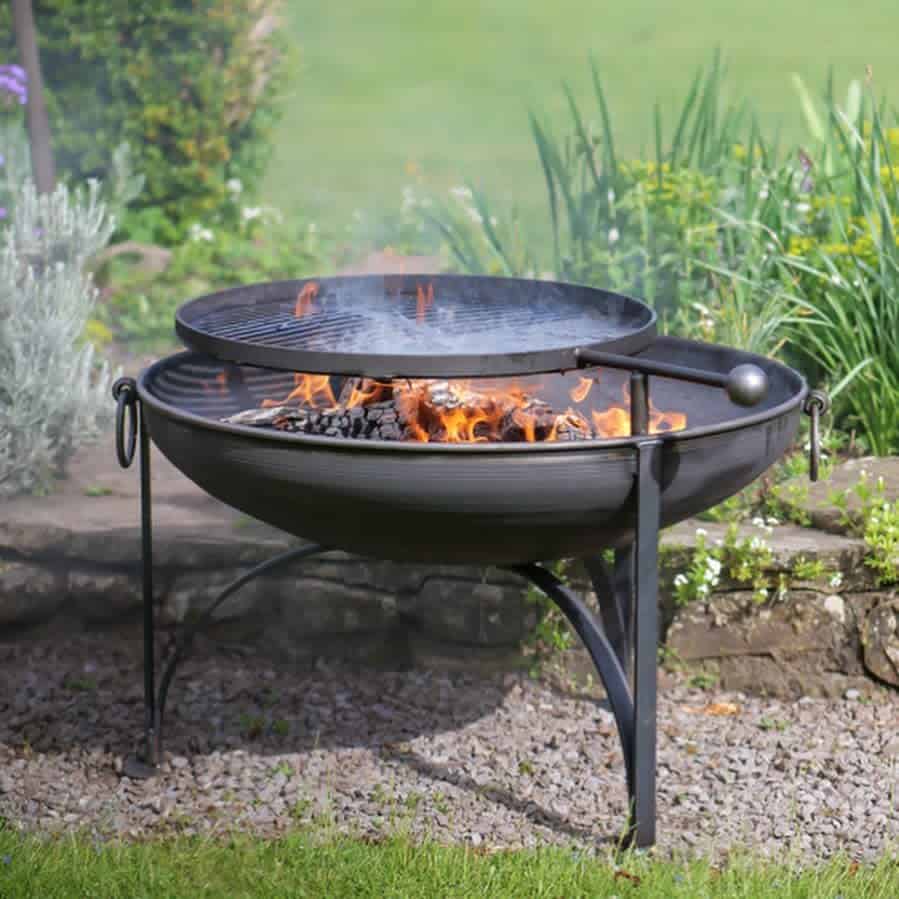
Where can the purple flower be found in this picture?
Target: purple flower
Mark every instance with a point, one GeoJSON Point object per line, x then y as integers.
{"type": "Point", "coordinates": [2, 212]}
{"type": "Point", "coordinates": [7, 859]}
{"type": "Point", "coordinates": [15, 70]}
{"type": "Point", "coordinates": [2, 159]}
{"type": "Point", "coordinates": [14, 82]}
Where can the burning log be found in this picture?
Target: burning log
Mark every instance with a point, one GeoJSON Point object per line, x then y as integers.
{"type": "Point", "coordinates": [423, 411]}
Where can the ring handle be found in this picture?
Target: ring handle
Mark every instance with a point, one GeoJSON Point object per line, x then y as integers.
{"type": "Point", "coordinates": [124, 392]}
{"type": "Point", "coordinates": [817, 403]}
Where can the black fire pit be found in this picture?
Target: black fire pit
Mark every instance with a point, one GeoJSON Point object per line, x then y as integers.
{"type": "Point", "coordinates": [512, 504]}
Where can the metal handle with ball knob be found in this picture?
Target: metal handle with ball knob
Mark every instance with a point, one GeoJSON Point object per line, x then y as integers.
{"type": "Point", "coordinates": [745, 384]}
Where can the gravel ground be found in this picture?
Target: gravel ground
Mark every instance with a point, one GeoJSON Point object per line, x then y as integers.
{"type": "Point", "coordinates": [500, 762]}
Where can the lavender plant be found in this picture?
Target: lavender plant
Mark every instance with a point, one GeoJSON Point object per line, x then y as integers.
{"type": "Point", "coordinates": [54, 395]}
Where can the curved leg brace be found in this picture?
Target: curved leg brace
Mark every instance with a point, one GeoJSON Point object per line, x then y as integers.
{"type": "Point", "coordinates": [614, 587]}
{"type": "Point", "coordinates": [604, 657]}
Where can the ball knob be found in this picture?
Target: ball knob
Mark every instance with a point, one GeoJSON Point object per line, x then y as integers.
{"type": "Point", "coordinates": [747, 384]}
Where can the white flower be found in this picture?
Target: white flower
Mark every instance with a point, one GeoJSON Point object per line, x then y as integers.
{"type": "Point", "coordinates": [703, 589]}
{"type": "Point", "coordinates": [312, 228]}
{"type": "Point", "coordinates": [234, 185]}
{"type": "Point", "coordinates": [461, 193]}
{"type": "Point", "coordinates": [613, 235]}
{"type": "Point", "coordinates": [803, 207]}
{"type": "Point", "coordinates": [763, 193]}
{"type": "Point", "coordinates": [611, 196]}
{"type": "Point", "coordinates": [714, 565]}
{"type": "Point", "coordinates": [474, 215]}
{"type": "Point", "coordinates": [762, 592]}
{"type": "Point", "coordinates": [248, 213]}
{"type": "Point", "coordinates": [755, 543]}
{"type": "Point", "coordinates": [836, 580]}
{"type": "Point", "coordinates": [680, 580]}
{"type": "Point", "coordinates": [758, 521]}
{"type": "Point", "coordinates": [773, 522]}
{"type": "Point", "coordinates": [198, 232]}
{"type": "Point", "coordinates": [408, 197]}
{"type": "Point", "coordinates": [702, 532]}
{"type": "Point", "coordinates": [836, 279]}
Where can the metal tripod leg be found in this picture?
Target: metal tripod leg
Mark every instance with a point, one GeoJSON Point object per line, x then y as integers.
{"type": "Point", "coordinates": [646, 638]}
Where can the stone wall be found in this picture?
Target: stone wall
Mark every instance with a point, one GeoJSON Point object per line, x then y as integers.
{"type": "Point", "coordinates": [70, 562]}
{"type": "Point", "coordinates": [825, 633]}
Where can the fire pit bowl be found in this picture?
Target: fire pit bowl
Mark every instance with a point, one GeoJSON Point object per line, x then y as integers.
{"type": "Point", "coordinates": [486, 503]}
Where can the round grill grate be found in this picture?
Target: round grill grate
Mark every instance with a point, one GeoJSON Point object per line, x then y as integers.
{"type": "Point", "coordinates": [414, 325]}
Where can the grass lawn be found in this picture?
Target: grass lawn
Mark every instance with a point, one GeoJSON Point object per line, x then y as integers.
{"type": "Point", "coordinates": [339, 867]}
{"type": "Point", "coordinates": [442, 88]}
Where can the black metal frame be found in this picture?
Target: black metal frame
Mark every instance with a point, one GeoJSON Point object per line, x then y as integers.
{"type": "Point", "coordinates": [622, 645]}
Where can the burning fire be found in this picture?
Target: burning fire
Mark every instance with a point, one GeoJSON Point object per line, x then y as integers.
{"type": "Point", "coordinates": [310, 390]}
{"type": "Point", "coordinates": [579, 393]}
{"type": "Point", "coordinates": [366, 391]}
{"type": "Point", "coordinates": [463, 411]}
{"type": "Point", "coordinates": [424, 301]}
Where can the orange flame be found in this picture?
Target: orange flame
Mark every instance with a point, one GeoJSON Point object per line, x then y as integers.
{"type": "Point", "coordinates": [424, 301]}
{"type": "Point", "coordinates": [468, 412]}
{"type": "Point", "coordinates": [612, 422]}
{"type": "Point", "coordinates": [365, 392]}
{"type": "Point", "coordinates": [221, 380]}
{"type": "Point", "coordinates": [311, 390]}
{"type": "Point", "coordinates": [660, 422]}
{"type": "Point", "coordinates": [616, 420]}
{"type": "Point", "coordinates": [304, 299]}
{"type": "Point", "coordinates": [579, 393]}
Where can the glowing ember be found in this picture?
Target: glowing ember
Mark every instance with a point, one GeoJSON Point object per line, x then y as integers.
{"type": "Point", "coordinates": [304, 299]}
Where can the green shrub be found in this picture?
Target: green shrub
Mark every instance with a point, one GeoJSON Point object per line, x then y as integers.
{"type": "Point", "coordinates": [189, 84]}
{"type": "Point", "coordinates": [840, 266]}
{"type": "Point", "coordinates": [53, 396]}
{"type": "Point", "coordinates": [663, 228]}
{"type": "Point", "coordinates": [730, 241]}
